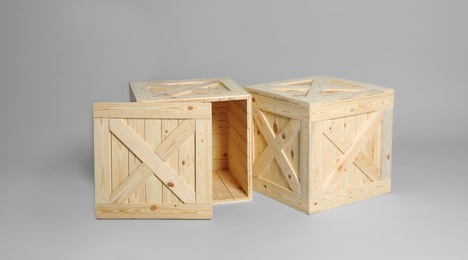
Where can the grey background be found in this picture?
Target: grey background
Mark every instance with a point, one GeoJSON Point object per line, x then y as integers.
{"type": "Point", "coordinates": [57, 57]}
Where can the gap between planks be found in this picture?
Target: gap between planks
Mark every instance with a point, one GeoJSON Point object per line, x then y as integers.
{"type": "Point", "coordinates": [226, 189]}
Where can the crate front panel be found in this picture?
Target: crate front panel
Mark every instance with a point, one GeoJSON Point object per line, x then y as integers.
{"type": "Point", "coordinates": [150, 168]}
{"type": "Point", "coordinates": [350, 154]}
{"type": "Point", "coordinates": [276, 152]}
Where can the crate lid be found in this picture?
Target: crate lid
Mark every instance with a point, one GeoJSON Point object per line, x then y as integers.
{"type": "Point", "coordinates": [317, 90]}
{"type": "Point", "coordinates": [206, 90]}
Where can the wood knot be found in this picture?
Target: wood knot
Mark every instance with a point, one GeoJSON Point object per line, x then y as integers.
{"type": "Point", "coordinates": [275, 128]}
{"type": "Point", "coordinates": [315, 203]}
{"type": "Point", "coordinates": [190, 107]}
{"type": "Point", "coordinates": [265, 186]}
{"type": "Point", "coordinates": [183, 162]}
{"type": "Point", "coordinates": [166, 131]}
{"type": "Point", "coordinates": [258, 132]}
{"type": "Point", "coordinates": [283, 136]}
{"type": "Point", "coordinates": [292, 154]}
{"type": "Point", "coordinates": [388, 156]}
{"type": "Point", "coordinates": [153, 208]}
{"type": "Point", "coordinates": [289, 176]}
{"type": "Point", "coordinates": [253, 99]}
{"type": "Point", "coordinates": [225, 154]}
{"type": "Point", "coordinates": [170, 184]}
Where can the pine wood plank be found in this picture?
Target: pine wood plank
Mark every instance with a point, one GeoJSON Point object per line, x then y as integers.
{"type": "Point", "coordinates": [220, 127]}
{"type": "Point", "coordinates": [240, 128]}
{"type": "Point", "coordinates": [168, 126]}
{"type": "Point", "coordinates": [147, 156]}
{"type": "Point", "coordinates": [220, 189]}
{"type": "Point", "coordinates": [284, 164]}
{"type": "Point", "coordinates": [316, 88]}
{"type": "Point", "coordinates": [232, 185]}
{"type": "Point", "coordinates": [153, 138]}
{"type": "Point", "coordinates": [279, 107]}
{"type": "Point", "coordinates": [281, 194]}
{"type": "Point", "coordinates": [301, 152]}
{"type": "Point", "coordinates": [386, 154]}
{"type": "Point", "coordinates": [203, 161]}
{"type": "Point", "coordinates": [220, 140]}
{"type": "Point", "coordinates": [365, 191]}
{"type": "Point", "coordinates": [352, 106]}
{"type": "Point", "coordinates": [119, 160]}
{"type": "Point", "coordinates": [151, 110]}
{"type": "Point", "coordinates": [153, 211]}
{"type": "Point", "coordinates": [128, 187]}
{"type": "Point", "coordinates": [187, 160]}
{"type": "Point", "coordinates": [102, 160]}
{"type": "Point", "coordinates": [237, 112]}
{"type": "Point", "coordinates": [174, 135]}
{"type": "Point", "coordinates": [138, 127]}
{"type": "Point", "coordinates": [318, 159]}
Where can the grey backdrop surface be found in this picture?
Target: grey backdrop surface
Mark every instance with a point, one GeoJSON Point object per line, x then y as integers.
{"type": "Point", "coordinates": [57, 57]}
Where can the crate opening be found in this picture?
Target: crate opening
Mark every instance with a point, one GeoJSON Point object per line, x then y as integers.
{"type": "Point", "coordinates": [230, 164]}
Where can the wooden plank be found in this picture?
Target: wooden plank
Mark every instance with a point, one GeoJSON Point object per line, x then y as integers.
{"type": "Point", "coordinates": [349, 131]}
{"type": "Point", "coordinates": [316, 88]}
{"type": "Point", "coordinates": [239, 127]}
{"type": "Point", "coordinates": [281, 194]}
{"type": "Point", "coordinates": [147, 156]}
{"type": "Point", "coordinates": [102, 160]}
{"type": "Point", "coordinates": [184, 90]}
{"type": "Point", "coordinates": [277, 174]}
{"type": "Point", "coordinates": [220, 164]}
{"type": "Point", "coordinates": [237, 169]}
{"type": "Point", "coordinates": [235, 151]}
{"type": "Point", "coordinates": [130, 184]}
{"type": "Point", "coordinates": [286, 167]}
{"type": "Point", "coordinates": [351, 106]}
{"type": "Point", "coordinates": [138, 127]}
{"type": "Point", "coordinates": [220, 189]}
{"type": "Point", "coordinates": [169, 126]}
{"type": "Point", "coordinates": [174, 135]}
{"type": "Point", "coordinates": [301, 151]}
{"type": "Point", "coordinates": [203, 159]}
{"type": "Point", "coordinates": [153, 138]}
{"type": "Point", "coordinates": [220, 153]}
{"type": "Point", "coordinates": [233, 86]}
{"type": "Point", "coordinates": [237, 139]}
{"type": "Point", "coordinates": [359, 176]}
{"type": "Point", "coordinates": [386, 154]}
{"type": "Point", "coordinates": [333, 200]}
{"type": "Point", "coordinates": [151, 110]}
{"type": "Point", "coordinates": [317, 159]}
{"type": "Point", "coordinates": [263, 162]}
{"type": "Point", "coordinates": [236, 111]}
{"type": "Point", "coordinates": [153, 211]}
{"type": "Point", "coordinates": [119, 160]}
{"type": "Point", "coordinates": [220, 140]}
{"type": "Point", "coordinates": [219, 113]}
{"type": "Point", "coordinates": [348, 158]}
{"type": "Point", "coordinates": [220, 127]}
{"type": "Point", "coordinates": [187, 160]}
{"type": "Point", "coordinates": [280, 107]}
{"type": "Point", "coordinates": [232, 185]}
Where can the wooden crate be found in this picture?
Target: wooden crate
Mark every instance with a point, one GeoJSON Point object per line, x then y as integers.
{"type": "Point", "coordinates": [151, 160]}
{"type": "Point", "coordinates": [231, 128]}
{"type": "Point", "coordinates": [321, 142]}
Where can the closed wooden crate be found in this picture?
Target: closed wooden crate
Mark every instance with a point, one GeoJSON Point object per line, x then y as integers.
{"type": "Point", "coordinates": [321, 142]}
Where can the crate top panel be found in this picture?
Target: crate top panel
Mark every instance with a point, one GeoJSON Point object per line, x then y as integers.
{"type": "Point", "coordinates": [318, 90]}
{"type": "Point", "coordinates": [205, 90]}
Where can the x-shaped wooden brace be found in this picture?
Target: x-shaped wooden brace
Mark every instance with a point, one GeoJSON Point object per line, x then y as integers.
{"type": "Point", "coordinates": [274, 150]}
{"type": "Point", "coordinates": [153, 161]}
{"type": "Point", "coordinates": [352, 151]}
{"type": "Point", "coordinates": [184, 90]}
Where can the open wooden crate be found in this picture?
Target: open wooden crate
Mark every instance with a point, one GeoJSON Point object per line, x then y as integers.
{"type": "Point", "coordinates": [231, 127]}
{"type": "Point", "coordinates": [321, 142]}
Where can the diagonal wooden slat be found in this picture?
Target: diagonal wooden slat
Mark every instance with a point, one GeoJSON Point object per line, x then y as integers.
{"type": "Point", "coordinates": [262, 161]}
{"type": "Point", "coordinates": [354, 150]}
{"type": "Point", "coordinates": [154, 162]}
{"type": "Point", "coordinates": [283, 162]}
{"type": "Point", "coordinates": [178, 137]}
{"type": "Point", "coordinates": [164, 151]}
{"type": "Point", "coordinates": [184, 90]}
{"type": "Point", "coordinates": [316, 88]}
{"type": "Point", "coordinates": [343, 143]}
{"type": "Point", "coordinates": [128, 187]}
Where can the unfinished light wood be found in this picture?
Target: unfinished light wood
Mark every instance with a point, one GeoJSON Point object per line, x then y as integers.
{"type": "Point", "coordinates": [230, 126]}
{"type": "Point", "coordinates": [344, 130]}
{"type": "Point", "coordinates": [148, 167]}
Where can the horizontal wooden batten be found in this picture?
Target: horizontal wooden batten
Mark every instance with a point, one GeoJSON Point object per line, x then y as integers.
{"type": "Point", "coordinates": [351, 107]}
{"type": "Point", "coordinates": [153, 210]}
{"type": "Point", "coordinates": [336, 199]}
{"type": "Point", "coordinates": [281, 194]}
{"type": "Point", "coordinates": [152, 110]}
{"type": "Point", "coordinates": [281, 107]}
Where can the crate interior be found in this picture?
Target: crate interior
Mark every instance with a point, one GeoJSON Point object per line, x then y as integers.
{"type": "Point", "coordinates": [230, 163]}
